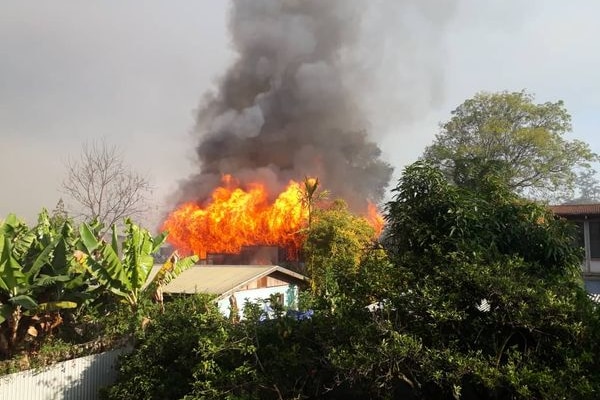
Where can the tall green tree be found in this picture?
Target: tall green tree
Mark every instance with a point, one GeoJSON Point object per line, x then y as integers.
{"type": "Point", "coordinates": [491, 287]}
{"type": "Point", "coordinates": [509, 136]}
{"type": "Point", "coordinates": [336, 242]}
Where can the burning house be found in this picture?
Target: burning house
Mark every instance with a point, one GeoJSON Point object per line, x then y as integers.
{"type": "Point", "coordinates": [293, 104]}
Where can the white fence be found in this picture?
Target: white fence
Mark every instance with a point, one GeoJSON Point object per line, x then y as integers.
{"type": "Point", "coordinates": [77, 379]}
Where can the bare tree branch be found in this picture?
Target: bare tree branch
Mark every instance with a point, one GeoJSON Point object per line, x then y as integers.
{"type": "Point", "coordinates": [103, 186]}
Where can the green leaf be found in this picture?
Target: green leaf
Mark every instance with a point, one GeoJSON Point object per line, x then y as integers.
{"type": "Point", "coordinates": [42, 259]}
{"type": "Point", "coordinates": [11, 275]}
{"type": "Point", "coordinates": [138, 259]}
{"type": "Point", "coordinates": [112, 269]}
{"type": "Point", "coordinates": [114, 239]}
{"type": "Point", "coordinates": [158, 241]}
{"type": "Point", "coordinates": [11, 220]}
{"type": "Point", "coordinates": [56, 305]}
{"type": "Point", "coordinates": [77, 282]}
{"type": "Point", "coordinates": [5, 312]}
{"type": "Point", "coordinates": [60, 261]}
{"type": "Point", "coordinates": [47, 280]}
{"type": "Point", "coordinates": [88, 238]}
{"type": "Point", "coordinates": [131, 250]}
{"type": "Point", "coordinates": [24, 301]}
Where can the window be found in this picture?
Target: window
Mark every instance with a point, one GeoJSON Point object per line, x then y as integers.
{"type": "Point", "coordinates": [595, 239]}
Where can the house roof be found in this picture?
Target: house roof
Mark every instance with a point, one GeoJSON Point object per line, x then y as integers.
{"type": "Point", "coordinates": [576, 209]}
{"type": "Point", "coordinates": [222, 280]}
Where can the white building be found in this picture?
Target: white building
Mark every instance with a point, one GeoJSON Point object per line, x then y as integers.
{"type": "Point", "coordinates": [587, 218]}
{"type": "Point", "coordinates": [238, 284]}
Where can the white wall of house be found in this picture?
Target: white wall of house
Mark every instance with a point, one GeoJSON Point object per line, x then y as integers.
{"type": "Point", "coordinates": [289, 293]}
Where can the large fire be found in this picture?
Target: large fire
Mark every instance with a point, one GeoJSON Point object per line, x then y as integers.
{"type": "Point", "coordinates": [235, 217]}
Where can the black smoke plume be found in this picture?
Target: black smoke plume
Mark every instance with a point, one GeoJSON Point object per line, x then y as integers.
{"type": "Point", "coordinates": [293, 102]}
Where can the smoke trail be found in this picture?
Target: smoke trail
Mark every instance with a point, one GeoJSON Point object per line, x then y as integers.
{"type": "Point", "coordinates": [295, 102]}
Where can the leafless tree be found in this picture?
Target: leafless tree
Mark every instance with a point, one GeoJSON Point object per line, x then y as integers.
{"type": "Point", "coordinates": [103, 186]}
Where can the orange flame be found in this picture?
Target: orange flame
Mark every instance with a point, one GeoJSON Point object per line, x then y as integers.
{"type": "Point", "coordinates": [375, 218]}
{"type": "Point", "coordinates": [236, 217]}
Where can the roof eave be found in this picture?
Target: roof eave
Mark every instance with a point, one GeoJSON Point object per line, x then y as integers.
{"type": "Point", "coordinates": [275, 268]}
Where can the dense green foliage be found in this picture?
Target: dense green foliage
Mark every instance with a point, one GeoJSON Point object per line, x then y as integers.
{"type": "Point", "coordinates": [38, 279]}
{"type": "Point", "coordinates": [476, 295]}
{"type": "Point", "coordinates": [192, 350]}
{"type": "Point", "coordinates": [162, 365]}
{"type": "Point", "coordinates": [60, 286]}
{"type": "Point", "coordinates": [456, 247]}
{"type": "Point", "coordinates": [335, 244]}
{"type": "Point", "coordinates": [124, 269]}
{"type": "Point", "coordinates": [511, 137]}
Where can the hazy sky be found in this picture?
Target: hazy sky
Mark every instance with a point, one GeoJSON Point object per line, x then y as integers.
{"type": "Point", "coordinates": [134, 72]}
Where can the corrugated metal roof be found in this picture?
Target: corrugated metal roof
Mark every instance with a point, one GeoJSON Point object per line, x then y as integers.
{"type": "Point", "coordinates": [576, 209]}
{"type": "Point", "coordinates": [222, 279]}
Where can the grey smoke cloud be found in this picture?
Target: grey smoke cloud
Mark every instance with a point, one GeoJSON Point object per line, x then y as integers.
{"type": "Point", "coordinates": [300, 97]}
{"type": "Point", "coordinates": [245, 123]}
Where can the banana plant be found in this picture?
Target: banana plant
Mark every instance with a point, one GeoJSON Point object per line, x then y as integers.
{"type": "Point", "coordinates": [169, 271]}
{"type": "Point", "coordinates": [34, 269]}
{"type": "Point", "coordinates": [123, 269]}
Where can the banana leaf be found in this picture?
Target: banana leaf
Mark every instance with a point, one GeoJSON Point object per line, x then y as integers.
{"type": "Point", "coordinates": [56, 305]}
{"type": "Point", "coordinates": [49, 280]}
{"type": "Point", "coordinates": [11, 275]}
{"type": "Point", "coordinates": [88, 238]}
{"type": "Point", "coordinates": [170, 270]}
{"type": "Point", "coordinates": [24, 301]}
{"type": "Point", "coordinates": [44, 258]}
{"type": "Point", "coordinates": [110, 272]}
